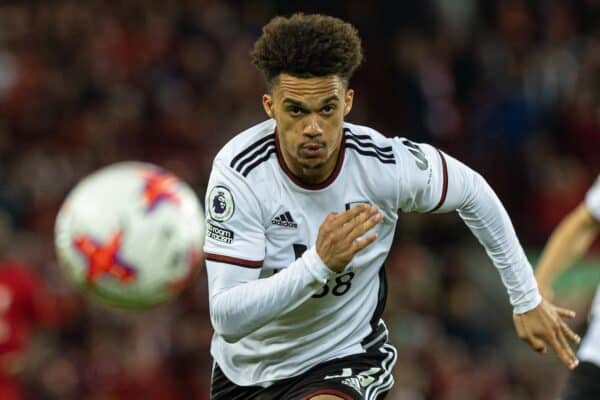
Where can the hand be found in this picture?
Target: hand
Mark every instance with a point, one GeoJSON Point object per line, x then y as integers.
{"type": "Point", "coordinates": [544, 325]}
{"type": "Point", "coordinates": [338, 241]}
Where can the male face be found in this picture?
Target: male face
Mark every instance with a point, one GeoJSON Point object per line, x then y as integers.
{"type": "Point", "coordinates": [309, 113]}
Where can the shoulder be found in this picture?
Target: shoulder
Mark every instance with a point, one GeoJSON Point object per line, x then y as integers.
{"type": "Point", "coordinates": [369, 143]}
{"type": "Point", "coordinates": [248, 148]}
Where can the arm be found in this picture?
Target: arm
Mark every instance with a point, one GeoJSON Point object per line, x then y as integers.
{"type": "Point", "coordinates": [446, 184]}
{"type": "Point", "coordinates": [240, 302]}
{"type": "Point", "coordinates": [536, 321]}
{"type": "Point", "coordinates": [568, 242]}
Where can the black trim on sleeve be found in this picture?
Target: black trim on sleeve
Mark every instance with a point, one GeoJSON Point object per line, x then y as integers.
{"type": "Point", "coordinates": [368, 153]}
{"type": "Point", "coordinates": [247, 150]}
{"type": "Point", "coordinates": [258, 161]}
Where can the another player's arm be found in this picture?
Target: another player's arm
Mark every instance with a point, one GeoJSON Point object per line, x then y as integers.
{"type": "Point", "coordinates": [569, 241]}
{"type": "Point", "coordinates": [240, 303]}
{"type": "Point", "coordinates": [461, 189]}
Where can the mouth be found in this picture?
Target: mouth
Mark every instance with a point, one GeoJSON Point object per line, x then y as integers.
{"type": "Point", "coordinates": [312, 149]}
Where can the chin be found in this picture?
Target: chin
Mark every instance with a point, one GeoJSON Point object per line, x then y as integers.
{"type": "Point", "coordinates": [312, 164]}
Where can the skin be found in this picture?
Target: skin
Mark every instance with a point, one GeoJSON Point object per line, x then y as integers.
{"type": "Point", "coordinates": [309, 114]}
{"type": "Point", "coordinates": [569, 241]}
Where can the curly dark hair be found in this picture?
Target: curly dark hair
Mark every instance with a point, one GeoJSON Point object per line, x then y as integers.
{"type": "Point", "coordinates": [307, 46]}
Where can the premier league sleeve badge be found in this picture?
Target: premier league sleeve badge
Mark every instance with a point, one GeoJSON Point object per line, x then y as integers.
{"type": "Point", "coordinates": [221, 205]}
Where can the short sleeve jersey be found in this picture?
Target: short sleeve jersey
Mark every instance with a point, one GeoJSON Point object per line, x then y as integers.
{"type": "Point", "coordinates": [261, 218]}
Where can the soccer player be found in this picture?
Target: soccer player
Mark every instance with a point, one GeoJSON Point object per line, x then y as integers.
{"type": "Point", "coordinates": [301, 215]}
{"type": "Point", "coordinates": [568, 242]}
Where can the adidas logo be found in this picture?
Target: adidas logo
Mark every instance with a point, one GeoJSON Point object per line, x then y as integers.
{"type": "Point", "coordinates": [285, 219]}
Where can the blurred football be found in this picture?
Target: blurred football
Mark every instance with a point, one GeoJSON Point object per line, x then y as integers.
{"type": "Point", "coordinates": [130, 234]}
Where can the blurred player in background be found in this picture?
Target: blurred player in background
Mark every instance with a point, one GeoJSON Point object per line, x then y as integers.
{"type": "Point", "coordinates": [301, 213]}
{"type": "Point", "coordinates": [568, 242]}
{"type": "Point", "coordinates": [25, 303]}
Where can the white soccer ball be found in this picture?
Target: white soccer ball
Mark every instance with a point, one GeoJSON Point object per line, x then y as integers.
{"type": "Point", "coordinates": [130, 234]}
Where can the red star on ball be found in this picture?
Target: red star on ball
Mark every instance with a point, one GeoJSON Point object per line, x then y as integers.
{"type": "Point", "coordinates": [159, 187]}
{"type": "Point", "coordinates": [103, 259]}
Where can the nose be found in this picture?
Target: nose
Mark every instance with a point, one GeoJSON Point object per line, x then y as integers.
{"type": "Point", "coordinates": [313, 128]}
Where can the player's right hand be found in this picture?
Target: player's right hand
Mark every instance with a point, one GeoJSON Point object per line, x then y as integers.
{"type": "Point", "coordinates": [338, 239]}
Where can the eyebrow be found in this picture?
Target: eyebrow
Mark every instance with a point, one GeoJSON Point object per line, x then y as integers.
{"type": "Point", "coordinates": [302, 105]}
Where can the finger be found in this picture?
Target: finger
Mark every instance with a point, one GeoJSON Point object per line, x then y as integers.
{"type": "Point", "coordinates": [359, 219]}
{"type": "Point", "coordinates": [329, 219]}
{"type": "Point", "coordinates": [360, 244]}
{"type": "Point", "coordinates": [562, 350]}
{"type": "Point", "coordinates": [568, 350]}
{"type": "Point", "coordinates": [564, 312]}
{"type": "Point", "coordinates": [569, 334]}
{"type": "Point", "coordinates": [365, 226]}
{"type": "Point", "coordinates": [537, 344]}
{"type": "Point", "coordinates": [524, 333]}
{"type": "Point", "coordinates": [349, 215]}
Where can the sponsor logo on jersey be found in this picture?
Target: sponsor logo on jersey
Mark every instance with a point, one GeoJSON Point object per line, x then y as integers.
{"type": "Point", "coordinates": [218, 233]}
{"type": "Point", "coordinates": [220, 204]}
{"type": "Point", "coordinates": [285, 219]}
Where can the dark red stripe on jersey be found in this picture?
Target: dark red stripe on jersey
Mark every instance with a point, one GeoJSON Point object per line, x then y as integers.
{"type": "Point", "coordinates": [445, 187]}
{"type": "Point", "coordinates": [333, 392]}
{"type": "Point", "coordinates": [297, 181]}
{"type": "Point", "coordinates": [232, 260]}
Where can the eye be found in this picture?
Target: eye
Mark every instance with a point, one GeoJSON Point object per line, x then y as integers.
{"type": "Point", "coordinates": [328, 109]}
{"type": "Point", "coordinates": [295, 111]}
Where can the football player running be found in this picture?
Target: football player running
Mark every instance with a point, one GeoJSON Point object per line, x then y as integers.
{"type": "Point", "coordinates": [301, 214]}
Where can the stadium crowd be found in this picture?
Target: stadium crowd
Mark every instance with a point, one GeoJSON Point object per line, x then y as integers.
{"type": "Point", "coordinates": [510, 87]}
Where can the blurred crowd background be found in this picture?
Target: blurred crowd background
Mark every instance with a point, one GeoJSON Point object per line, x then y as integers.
{"type": "Point", "coordinates": [512, 88]}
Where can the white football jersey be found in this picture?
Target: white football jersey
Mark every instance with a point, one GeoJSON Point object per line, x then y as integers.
{"type": "Point", "coordinates": [590, 346]}
{"type": "Point", "coordinates": [276, 308]}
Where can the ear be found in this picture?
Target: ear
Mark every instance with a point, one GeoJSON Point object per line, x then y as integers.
{"type": "Point", "coordinates": [267, 102]}
{"type": "Point", "coordinates": [348, 101]}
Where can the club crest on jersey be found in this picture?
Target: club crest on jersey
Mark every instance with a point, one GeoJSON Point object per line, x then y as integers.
{"type": "Point", "coordinates": [285, 219]}
{"type": "Point", "coordinates": [220, 204]}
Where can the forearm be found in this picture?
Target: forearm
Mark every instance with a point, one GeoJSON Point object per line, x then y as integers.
{"type": "Point", "coordinates": [487, 219]}
{"type": "Point", "coordinates": [567, 243]}
{"type": "Point", "coordinates": [241, 309]}
{"type": "Point", "coordinates": [484, 214]}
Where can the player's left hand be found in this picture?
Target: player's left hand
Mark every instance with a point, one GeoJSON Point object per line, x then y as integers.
{"type": "Point", "coordinates": [544, 325]}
